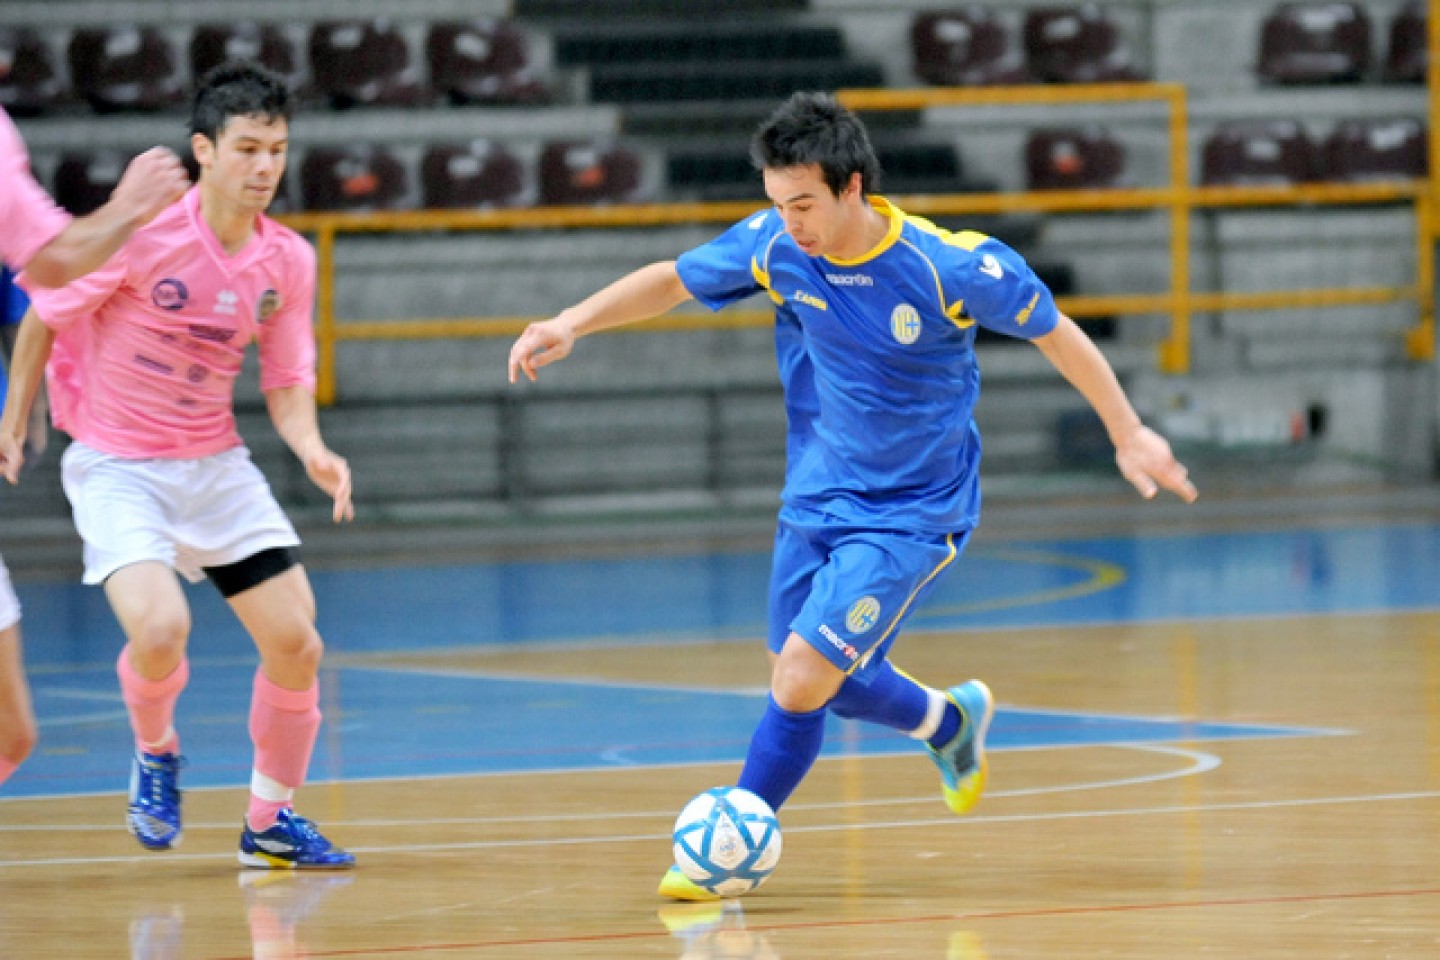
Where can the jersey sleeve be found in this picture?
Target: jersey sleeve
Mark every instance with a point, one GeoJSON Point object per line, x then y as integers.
{"type": "Point", "coordinates": [1003, 294]}
{"type": "Point", "coordinates": [30, 218]}
{"type": "Point", "coordinates": [287, 337]}
{"type": "Point", "coordinates": [730, 267]}
{"type": "Point", "coordinates": [62, 307]}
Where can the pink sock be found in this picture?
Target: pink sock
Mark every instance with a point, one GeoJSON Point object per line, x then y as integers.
{"type": "Point", "coordinates": [283, 725]}
{"type": "Point", "coordinates": [152, 704]}
{"type": "Point", "coordinates": [7, 767]}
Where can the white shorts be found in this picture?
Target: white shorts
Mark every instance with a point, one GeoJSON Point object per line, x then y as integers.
{"type": "Point", "coordinates": [9, 603]}
{"type": "Point", "coordinates": [188, 514]}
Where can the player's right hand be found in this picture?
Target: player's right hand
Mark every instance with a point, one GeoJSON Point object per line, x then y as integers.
{"type": "Point", "coordinates": [540, 345]}
{"type": "Point", "coordinates": [151, 182]}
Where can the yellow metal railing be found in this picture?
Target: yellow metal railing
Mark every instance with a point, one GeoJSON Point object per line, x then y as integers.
{"type": "Point", "coordinates": [1178, 197]}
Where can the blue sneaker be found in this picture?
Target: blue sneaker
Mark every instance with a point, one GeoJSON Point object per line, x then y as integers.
{"type": "Point", "coordinates": [962, 763]}
{"type": "Point", "coordinates": [154, 811]}
{"type": "Point", "coordinates": [291, 843]}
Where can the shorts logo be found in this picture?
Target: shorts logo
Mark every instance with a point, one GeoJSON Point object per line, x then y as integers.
{"type": "Point", "coordinates": [849, 652]}
{"type": "Point", "coordinates": [862, 615]}
{"type": "Point", "coordinates": [269, 303]}
{"type": "Point", "coordinates": [905, 324]}
{"type": "Point", "coordinates": [170, 294]}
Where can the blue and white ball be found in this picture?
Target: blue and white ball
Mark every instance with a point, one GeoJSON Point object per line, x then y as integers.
{"type": "Point", "coordinates": [727, 840]}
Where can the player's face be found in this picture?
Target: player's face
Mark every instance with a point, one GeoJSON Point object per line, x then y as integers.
{"type": "Point", "coordinates": [246, 163]}
{"type": "Point", "coordinates": [819, 222]}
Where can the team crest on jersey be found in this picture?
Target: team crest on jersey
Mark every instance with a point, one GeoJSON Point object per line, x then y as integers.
{"type": "Point", "coordinates": [862, 615]}
{"type": "Point", "coordinates": [905, 324]}
{"type": "Point", "coordinates": [269, 303]}
{"type": "Point", "coordinates": [170, 294]}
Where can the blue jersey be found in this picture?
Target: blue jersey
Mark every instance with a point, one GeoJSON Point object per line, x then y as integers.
{"type": "Point", "coordinates": [13, 304]}
{"type": "Point", "coordinates": [877, 358]}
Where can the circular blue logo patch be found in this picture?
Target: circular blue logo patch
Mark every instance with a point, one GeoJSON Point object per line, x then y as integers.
{"type": "Point", "coordinates": [170, 294]}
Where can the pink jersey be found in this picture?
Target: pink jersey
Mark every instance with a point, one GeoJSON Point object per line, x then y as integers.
{"type": "Point", "coordinates": [29, 219]}
{"type": "Point", "coordinates": [147, 348]}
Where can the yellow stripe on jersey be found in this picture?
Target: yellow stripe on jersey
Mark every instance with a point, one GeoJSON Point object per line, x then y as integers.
{"type": "Point", "coordinates": [951, 310]}
{"type": "Point", "coordinates": [762, 274]}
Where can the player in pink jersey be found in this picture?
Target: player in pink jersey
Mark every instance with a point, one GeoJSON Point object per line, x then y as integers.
{"type": "Point", "coordinates": [40, 237]}
{"type": "Point", "coordinates": [145, 355]}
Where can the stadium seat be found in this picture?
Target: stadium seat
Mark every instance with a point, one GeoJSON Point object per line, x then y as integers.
{"type": "Point", "coordinates": [1405, 58]}
{"type": "Point", "coordinates": [1073, 159]}
{"type": "Point", "coordinates": [1269, 152]}
{"type": "Point", "coordinates": [1362, 150]}
{"type": "Point", "coordinates": [482, 61]}
{"type": "Point", "coordinates": [84, 180]}
{"type": "Point", "coordinates": [1326, 42]}
{"type": "Point", "coordinates": [265, 43]}
{"type": "Point", "coordinates": [125, 67]}
{"type": "Point", "coordinates": [30, 82]}
{"type": "Point", "coordinates": [1079, 44]}
{"type": "Point", "coordinates": [481, 173]}
{"type": "Point", "coordinates": [967, 47]}
{"type": "Point", "coordinates": [353, 178]}
{"type": "Point", "coordinates": [589, 173]}
{"type": "Point", "coordinates": [364, 63]}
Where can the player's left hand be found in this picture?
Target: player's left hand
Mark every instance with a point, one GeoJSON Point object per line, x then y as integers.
{"type": "Point", "coordinates": [1145, 459]}
{"type": "Point", "coordinates": [331, 472]}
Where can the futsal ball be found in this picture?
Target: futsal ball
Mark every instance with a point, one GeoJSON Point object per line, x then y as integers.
{"type": "Point", "coordinates": [727, 840]}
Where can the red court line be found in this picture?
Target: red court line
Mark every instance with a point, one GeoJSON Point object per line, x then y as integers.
{"type": "Point", "coordinates": [872, 922]}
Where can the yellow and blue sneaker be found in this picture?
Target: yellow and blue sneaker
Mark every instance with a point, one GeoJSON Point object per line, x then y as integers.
{"type": "Point", "coordinates": [153, 814]}
{"type": "Point", "coordinates": [291, 843]}
{"type": "Point", "coordinates": [677, 886]}
{"type": "Point", "coordinates": [962, 762]}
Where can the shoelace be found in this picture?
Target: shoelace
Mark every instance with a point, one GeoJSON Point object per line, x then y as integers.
{"type": "Point", "coordinates": [304, 830]}
{"type": "Point", "coordinates": [160, 775]}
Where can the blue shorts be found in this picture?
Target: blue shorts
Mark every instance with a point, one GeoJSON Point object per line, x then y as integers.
{"type": "Point", "coordinates": [845, 590]}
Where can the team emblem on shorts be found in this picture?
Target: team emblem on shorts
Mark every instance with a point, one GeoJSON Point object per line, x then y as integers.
{"type": "Point", "coordinates": [862, 615]}
{"type": "Point", "coordinates": [269, 303]}
{"type": "Point", "coordinates": [905, 324]}
{"type": "Point", "coordinates": [170, 294]}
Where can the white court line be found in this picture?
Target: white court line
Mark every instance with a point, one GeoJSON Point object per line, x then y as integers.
{"type": "Point", "coordinates": [414, 848]}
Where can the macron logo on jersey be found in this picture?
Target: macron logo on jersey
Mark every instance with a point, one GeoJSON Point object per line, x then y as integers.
{"type": "Point", "coordinates": [849, 280]}
{"type": "Point", "coordinates": [991, 267]}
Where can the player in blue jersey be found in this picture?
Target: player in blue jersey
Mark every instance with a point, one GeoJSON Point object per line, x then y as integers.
{"type": "Point", "coordinates": [876, 314]}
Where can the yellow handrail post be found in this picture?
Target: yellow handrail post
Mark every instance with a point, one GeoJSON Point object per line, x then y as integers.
{"type": "Point", "coordinates": [1420, 342]}
{"type": "Point", "coordinates": [1175, 349]}
{"type": "Point", "coordinates": [325, 312]}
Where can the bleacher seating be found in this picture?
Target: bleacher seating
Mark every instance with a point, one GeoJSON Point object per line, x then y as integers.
{"type": "Point", "coordinates": [966, 47]}
{"type": "Point", "coordinates": [1077, 44]}
{"type": "Point", "coordinates": [478, 174]}
{"type": "Point", "coordinates": [364, 63]}
{"type": "Point", "coordinates": [265, 43]}
{"type": "Point", "coordinates": [30, 80]}
{"type": "Point", "coordinates": [353, 178]}
{"type": "Point", "coordinates": [482, 61]}
{"type": "Point", "coordinates": [1082, 158]}
{"type": "Point", "coordinates": [125, 67]}
{"type": "Point", "coordinates": [1315, 42]}
{"type": "Point", "coordinates": [586, 173]}
{"type": "Point", "coordinates": [84, 179]}
{"type": "Point", "coordinates": [1269, 152]}
{"type": "Point", "coordinates": [1367, 150]}
{"type": "Point", "coordinates": [1406, 54]}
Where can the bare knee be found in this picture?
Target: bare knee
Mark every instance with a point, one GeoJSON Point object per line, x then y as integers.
{"type": "Point", "coordinates": [296, 650]}
{"type": "Point", "coordinates": [802, 680]}
{"type": "Point", "coordinates": [157, 641]}
{"type": "Point", "coordinates": [18, 735]}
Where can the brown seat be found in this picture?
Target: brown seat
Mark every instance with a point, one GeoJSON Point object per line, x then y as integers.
{"type": "Point", "coordinates": [1073, 159]}
{"type": "Point", "coordinates": [481, 173]}
{"type": "Point", "coordinates": [1406, 57]}
{"type": "Point", "coordinates": [1268, 152]}
{"type": "Point", "coordinates": [364, 63]}
{"type": "Point", "coordinates": [30, 81]}
{"type": "Point", "coordinates": [966, 47]}
{"type": "Point", "coordinates": [1077, 44]}
{"type": "Point", "coordinates": [84, 179]}
{"type": "Point", "coordinates": [125, 67]}
{"type": "Point", "coordinates": [1325, 42]}
{"type": "Point", "coordinates": [265, 43]}
{"type": "Point", "coordinates": [482, 61]}
{"type": "Point", "coordinates": [588, 173]}
{"type": "Point", "coordinates": [358, 177]}
{"type": "Point", "coordinates": [1366, 150]}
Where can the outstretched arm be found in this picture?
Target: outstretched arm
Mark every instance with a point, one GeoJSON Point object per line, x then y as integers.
{"type": "Point", "coordinates": [646, 293]}
{"type": "Point", "coordinates": [292, 410]}
{"type": "Point", "coordinates": [1143, 456]}
{"type": "Point", "coordinates": [27, 371]}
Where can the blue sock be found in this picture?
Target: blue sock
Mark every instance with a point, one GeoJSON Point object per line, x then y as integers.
{"type": "Point", "coordinates": [949, 726]}
{"type": "Point", "coordinates": [886, 697]}
{"type": "Point", "coordinates": [782, 750]}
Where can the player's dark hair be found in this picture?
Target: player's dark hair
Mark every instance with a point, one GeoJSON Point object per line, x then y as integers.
{"type": "Point", "coordinates": [814, 128]}
{"type": "Point", "coordinates": [239, 88]}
